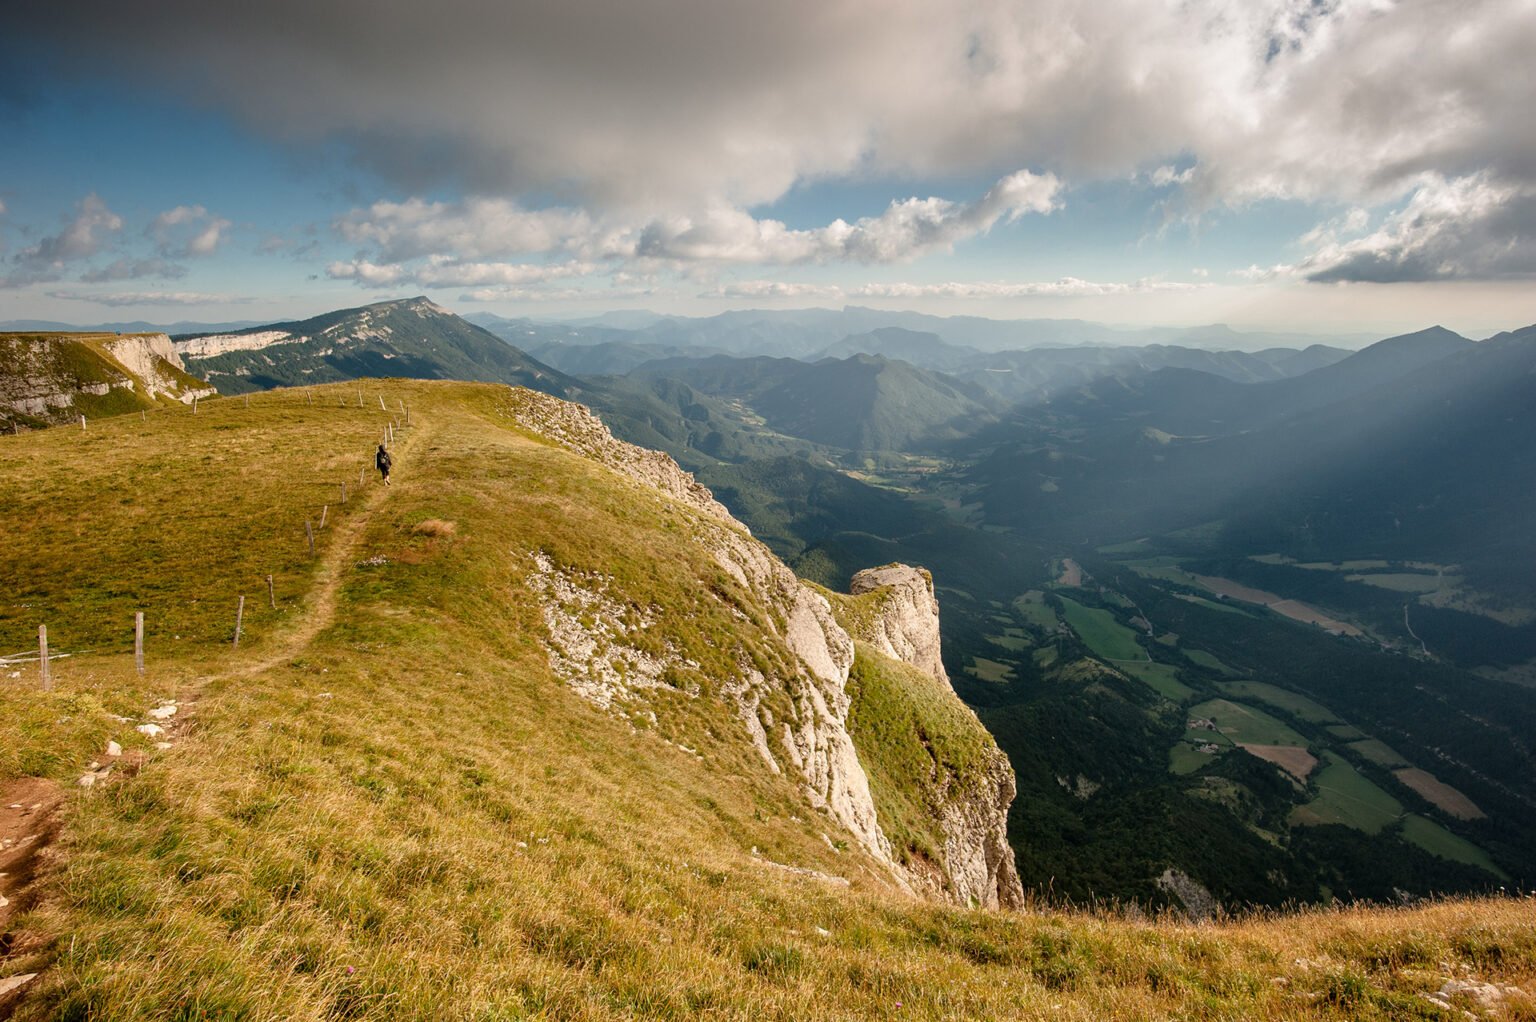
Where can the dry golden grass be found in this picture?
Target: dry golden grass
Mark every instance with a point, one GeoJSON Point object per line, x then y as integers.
{"type": "Point", "coordinates": [386, 807]}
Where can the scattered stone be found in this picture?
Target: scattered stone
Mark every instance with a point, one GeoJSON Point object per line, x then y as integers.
{"type": "Point", "coordinates": [15, 982]}
{"type": "Point", "coordinates": [821, 932]}
{"type": "Point", "coordinates": [86, 780]}
{"type": "Point", "coordinates": [162, 746]}
{"type": "Point", "coordinates": [1487, 995]}
{"type": "Point", "coordinates": [15, 805]}
{"type": "Point", "coordinates": [165, 712]}
{"type": "Point", "coordinates": [113, 749]}
{"type": "Point", "coordinates": [14, 674]}
{"type": "Point", "coordinates": [150, 730]}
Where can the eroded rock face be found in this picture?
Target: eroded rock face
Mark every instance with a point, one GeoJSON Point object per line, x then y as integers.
{"type": "Point", "coordinates": [41, 375]}
{"type": "Point", "coordinates": [973, 817]}
{"type": "Point", "coordinates": [814, 736]}
{"type": "Point", "coordinates": [907, 626]}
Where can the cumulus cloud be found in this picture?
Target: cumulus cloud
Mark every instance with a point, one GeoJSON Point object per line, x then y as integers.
{"type": "Point", "coordinates": [445, 271]}
{"type": "Point", "coordinates": [457, 244]}
{"type": "Point", "coordinates": [1466, 228]}
{"type": "Point", "coordinates": [188, 231]}
{"type": "Point", "coordinates": [83, 236]}
{"type": "Point", "coordinates": [125, 298]}
{"type": "Point", "coordinates": [134, 269]}
{"type": "Point", "coordinates": [683, 113]}
{"type": "Point", "coordinates": [1066, 287]}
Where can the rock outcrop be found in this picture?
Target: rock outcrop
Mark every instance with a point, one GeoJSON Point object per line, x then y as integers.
{"type": "Point", "coordinates": [901, 620]}
{"type": "Point", "coordinates": [907, 624]}
{"type": "Point", "coordinates": [594, 645]}
{"type": "Point", "coordinates": [51, 378]}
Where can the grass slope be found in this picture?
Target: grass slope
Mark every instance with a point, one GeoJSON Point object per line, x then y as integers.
{"type": "Point", "coordinates": [384, 806]}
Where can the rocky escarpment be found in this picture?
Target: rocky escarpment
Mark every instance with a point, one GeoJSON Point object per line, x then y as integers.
{"type": "Point", "coordinates": [899, 616]}
{"type": "Point", "coordinates": [807, 735]}
{"type": "Point", "coordinates": [52, 378]}
{"type": "Point", "coordinates": [797, 715]}
{"type": "Point", "coordinates": [906, 626]}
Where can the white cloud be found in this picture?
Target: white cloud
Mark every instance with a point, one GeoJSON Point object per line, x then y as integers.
{"type": "Point", "coordinates": [441, 244]}
{"type": "Point", "coordinates": [82, 238]}
{"type": "Point", "coordinates": [125, 298]}
{"type": "Point", "coordinates": [1066, 287]}
{"type": "Point", "coordinates": [188, 231]}
{"type": "Point", "coordinates": [134, 269]}
{"type": "Point", "coordinates": [1464, 228]}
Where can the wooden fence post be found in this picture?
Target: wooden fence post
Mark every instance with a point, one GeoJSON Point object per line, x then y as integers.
{"type": "Point", "coordinates": [247, 400]}
{"type": "Point", "coordinates": [42, 653]}
{"type": "Point", "coordinates": [239, 619]}
{"type": "Point", "coordinates": [381, 404]}
{"type": "Point", "coordinates": [359, 397]}
{"type": "Point", "coordinates": [325, 510]}
{"type": "Point", "coordinates": [343, 493]}
{"type": "Point", "coordinates": [138, 640]}
{"type": "Point", "coordinates": [194, 404]}
{"type": "Point", "coordinates": [82, 423]}
{"type": "Point", "coordinates": [142, 416]}
{"type": "Point", "coordinates": [309, 533]}
{"type": "Point", "coordinates": [271, 593]}
{"type": "Point", "coordinates": [361, 474]}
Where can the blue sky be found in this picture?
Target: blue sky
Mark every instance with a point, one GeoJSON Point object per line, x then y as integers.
{"type": "Point", "coordinates": [1349, 165]}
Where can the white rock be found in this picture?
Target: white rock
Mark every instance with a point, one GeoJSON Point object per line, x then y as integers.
{"type": "Point", "coordinates": [162, 746]}
{"type": "Point", "coordinates": [15, 982]}
{"type": "Point", "coordinates": [165, 712]}
{"type": "Point", "coordinates": [150, 730]}
{"type": "Point", "coordinates": [86, 780]}
{"type": "Point", "coordinates": [113, 749]}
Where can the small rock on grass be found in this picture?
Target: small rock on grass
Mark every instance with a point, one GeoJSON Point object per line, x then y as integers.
{"type": "Point", "coordinates": [150, 730]}
{"type": "Point", "coordinates": [162, 746]}
{"type": "Point", "coordinates": [86, 780]}
{"type": "Point", "coordinates": [113, 749]}
{"type": "Point", "coordinates": [165, 712]}
{"type": "Point", "coordinates": [15, 982]}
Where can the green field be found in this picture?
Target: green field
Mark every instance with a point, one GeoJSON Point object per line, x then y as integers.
{"type": "Point", "coordinates": [1436, 840]}
{"type": "Point", "coordinates": [1012, 643]}
{"type": "Point", "coordinates": [1297, 705]}
{"type": "Point", "coordinates": [991, 670]}
{"type": "Point", "coordinates": [1184, 758]}
{"type": "Point", "coordinates": [1379, 752]}
{"type": "Point", "coordinates": [1164, 678]}
{"type": "Point", "coordinates": [1343, 796]}
{"type": "Point", "coordinates": [1104, 635]}
{"type": "Point", "coordinates": [1165, 568]}
{"type": "Point", "coordinates": [1348, 732]}
{"type": "Point", "coordinates": [1408, 582]}
{"type": "Point", "coordinates": [1225, 608]}
{"type": "Point", "coordinates": [1204, 659]}
{"type": "Point", "coordinates": [1133, 547]}
{"type": "Point", "coordinates": [1246, 724]}
{"type": "Point", "coordinates": [1344, 565]}
{"type": "Point", "coordinates": [1033, 609]}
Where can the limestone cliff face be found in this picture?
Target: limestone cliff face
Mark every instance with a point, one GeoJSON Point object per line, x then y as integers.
{"type": "Point", "coordinates": [907, 626]}
{"type": "Point", "coordinates": [811, 742]}
{"type": "Point", "coordinates": [903, 623]}
{"type": "Point", "coordinates": [51, 378]}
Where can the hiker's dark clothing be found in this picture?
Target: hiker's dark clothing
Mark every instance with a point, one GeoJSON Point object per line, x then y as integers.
{"type": "Point", "coordinates": [383, 461]}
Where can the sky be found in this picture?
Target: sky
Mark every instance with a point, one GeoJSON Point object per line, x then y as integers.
{"type": "Point", "coordinates": [1361, 166]}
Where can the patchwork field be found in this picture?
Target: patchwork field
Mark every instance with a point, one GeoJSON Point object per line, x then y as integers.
{"type": "Point", "coordinates": [1294, 760]}
{"type": "Point", "coordinates": [991, 670]}
{"type": "Point", "coordinates": [1378, 752]}
{"type": "Point", "coordinates": [1161, 677]}
{"type": "Point", "coordinates": [1344, 796]}
{"type": "Point", "coordinates": [1246, 724]}
{"type": "Point", "coordinates": [1436, 840]}
{"type": "Point", "coordinates": [1104, 635]}
{"type": "Point", "coordinates": [1033, 610]}
{"type": "Point", "coordinates": [1438, 792]}
{"type": "Point", "coordinates": [1291, 702]}
{"type": "Point", "coordinates": [1204, 659]}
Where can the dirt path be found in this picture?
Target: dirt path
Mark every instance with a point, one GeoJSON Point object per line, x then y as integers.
{"type": "Point", "coordinates": [29, 806]}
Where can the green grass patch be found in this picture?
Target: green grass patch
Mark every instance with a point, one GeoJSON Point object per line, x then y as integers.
{"type": "Point", "coordinates": [1201, 601]}
{"type": "Point", "coordinates": [990, 671]}
{"type": "Point", "coordinates": [1246, 724]}
{"type": "Point", "coordinates": [917, 742]}
{"type": "Point", "coordinates": [1292, 702]}
{"type": "Point", "coordinates": [1033, 610]}
{"type": "Point", "coordinates": [1348, 732]}
{"type": "Point", "coordinates": [1379, 752]}
{"type": "Point", "coordinates": [1162, 678]}
{"type": "Point", "coordinates": [1436, 840]}
{"type": "Point", "coordinates": [1012, 643]}
{"type": "Point", "coordinates": [1104, 635]}
{"type": "Point", "coordinates": [1184, 758]}
{"type": "Point", "coordinates": [1208, 660]}
{"type": "Point", "coordinates": [1409, 582]}
{"type": "Point", "coordinates": [1344, 796]}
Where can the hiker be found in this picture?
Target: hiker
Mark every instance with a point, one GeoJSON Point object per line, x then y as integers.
{"type": "Point", "coordinates": [383, 461]}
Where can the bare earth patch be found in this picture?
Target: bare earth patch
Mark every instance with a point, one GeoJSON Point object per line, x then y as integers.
{"type": "Point", "coordinates": [1441, 794]}
{"type": "Point", "coordinates": [1293, 609]}
{"type": "Point", "coordinates": [1293, 759]}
